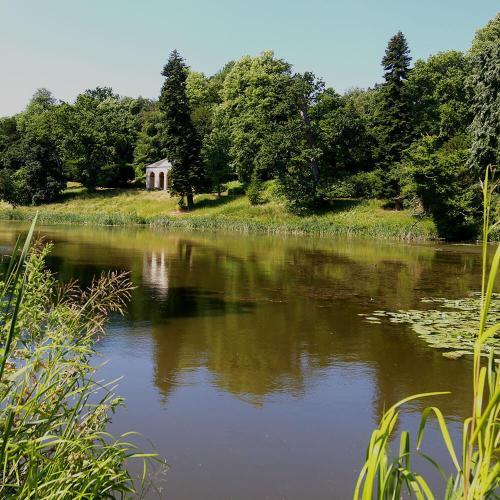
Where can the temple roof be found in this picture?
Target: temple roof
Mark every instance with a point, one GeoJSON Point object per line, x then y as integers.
{"type": "Point", "coordinates": [160, 164]}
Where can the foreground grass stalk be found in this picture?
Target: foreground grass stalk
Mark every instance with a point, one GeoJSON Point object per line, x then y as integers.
{"type": "Point", "coordinates": [53, 412]}
{"type": "Point", "coordinates": [477, 476]}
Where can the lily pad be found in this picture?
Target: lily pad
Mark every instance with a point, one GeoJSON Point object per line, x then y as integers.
{"type": "Point", "coordinates": [452, 326]}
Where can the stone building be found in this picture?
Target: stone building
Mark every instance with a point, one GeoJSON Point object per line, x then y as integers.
{"type": "Point", "coordinates": [157, 175]}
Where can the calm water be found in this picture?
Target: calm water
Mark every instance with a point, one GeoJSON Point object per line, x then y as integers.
{"type": "Point", "coordinates": [245, 361]}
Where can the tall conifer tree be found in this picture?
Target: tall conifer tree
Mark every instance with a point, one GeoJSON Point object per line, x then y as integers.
{"type": "Point", "coordinates": [180, 140]}
{"type": "Point", "coordinates": [394, 112]}
{"type": "Point", "coordinates": [485, 128]}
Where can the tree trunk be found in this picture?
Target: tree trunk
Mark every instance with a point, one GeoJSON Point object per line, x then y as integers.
{"type": "Point", "coordinates": [310, 141]}
{"type": "Point", "coordinates": [398, 203]}
{"type": "Point", "coordinates": [190, 201]}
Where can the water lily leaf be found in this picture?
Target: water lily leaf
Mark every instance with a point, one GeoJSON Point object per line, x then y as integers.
{"type": "Point", "coordinates": [452, 325]}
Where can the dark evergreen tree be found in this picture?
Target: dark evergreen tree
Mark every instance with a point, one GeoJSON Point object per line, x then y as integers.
{"type": "Point", "coordinates": [485, 128]}
{"type": "Point", "coordinates": [180, 140]}
{"type": "Point", "coordinates": [394, 110]}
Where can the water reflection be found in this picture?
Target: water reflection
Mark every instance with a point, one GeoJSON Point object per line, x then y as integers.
{"type": "Point", "coordinates": [257, 329]}
{"type": "Point", "coordinates": [155, 272]}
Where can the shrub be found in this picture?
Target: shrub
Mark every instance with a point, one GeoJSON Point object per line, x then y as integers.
{"type": "Point", "coordinates": [13, 187]}
{"type": "Point", "coordinates": [254, 190]}
{"type": "Point", "coordinates": [31, 184]}
{"type": "Point", "coordinates": [116, 175]}
{"type": "Point", "coordinates": [367, 185]}
{"type": "Point", "coordinates": [235, 190]}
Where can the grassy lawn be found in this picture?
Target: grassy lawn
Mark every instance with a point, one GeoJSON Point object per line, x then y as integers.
{"type": "Point", "coordinates": [134, 206]}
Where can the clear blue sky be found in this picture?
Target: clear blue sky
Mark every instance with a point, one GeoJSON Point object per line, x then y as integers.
{"type": "Point", "coordinates": [70, 45]}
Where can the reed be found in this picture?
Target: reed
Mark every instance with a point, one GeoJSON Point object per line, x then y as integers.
{"type": "Point", "coordinates": [229, 213]}
{"type": "Point", "coordinates": [477, 470]}
{"type": "Point", "coordinates": [53, 410]}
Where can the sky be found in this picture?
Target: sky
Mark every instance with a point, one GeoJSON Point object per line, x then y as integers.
{"type": "Point", "coordinates": [68, 46]}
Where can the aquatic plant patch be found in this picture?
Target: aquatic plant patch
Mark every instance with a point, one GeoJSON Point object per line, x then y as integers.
{"type": "Point", "coordinates": [451, 325]}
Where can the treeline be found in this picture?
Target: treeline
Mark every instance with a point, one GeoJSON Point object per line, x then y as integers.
{"type": "Point", "coordinates": [421, 139]}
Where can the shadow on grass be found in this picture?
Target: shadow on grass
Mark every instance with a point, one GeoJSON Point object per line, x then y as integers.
{"type": "Point", "coordinates": [215, 202]}
{"type": "Point", "coordinates": [84, 194]}
{"type": "Point", "coordinates": [334, 206]}
{"type": "Point", "coordinates": [342, 205]}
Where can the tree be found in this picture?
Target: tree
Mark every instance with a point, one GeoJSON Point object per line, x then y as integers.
{"type": "Point", "coordinates": [101, 94]}
{"type": "Point", "coordinates": [393, 116]}
{"type": "Point", "coordinates": [447, 187]}
{"type": "Point", "coordinates": [203, 96]}
{"type": "Point", "coordinates": [99, 135]}
{"type": "Point", "coordinates": [438, 92]}
{"type": "Point", "coordinates": [9, 134]}
{"type": "Point", "coordinates": [180, 140]}
{"type": "Point", "coordinates": [253, 109]}
{"type": "Point", "coordinates": [300, 174]}
{"type": "Point", "coordinates": [265, 109]}
{"type": "Point", "coordinates": [485, 84]}
{"type": "Point", "coordinates": [487, 35]}
{"type": "Point", "coordinates": [216, 158]}
{"type": "Point", "coordinates": [346, 144]}
{"type": "Point", "coordinates": [30, 154]}
{"type": "Point", "coordinates": [41, 100]}
{"type": "Point", "coordinates": [148, 147]}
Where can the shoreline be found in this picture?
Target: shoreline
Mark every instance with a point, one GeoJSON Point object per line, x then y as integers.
{"type": "Point", "coordinates": [228, 213]}
{"type": "Point", "coordinates": [193, 222]}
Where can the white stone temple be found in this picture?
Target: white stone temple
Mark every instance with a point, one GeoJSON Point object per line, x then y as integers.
{"type": "Point", "coordinates": [157, 175]}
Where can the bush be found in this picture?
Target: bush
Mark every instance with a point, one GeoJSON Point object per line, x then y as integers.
{"type": "Point", "coordinates": [254, 190]}
{"type": "Point", "coordinates": [234, 188]}
{"type": "Point", "coordinates": [367, 185]}
{"type": "Point", "coordinates": [116, 175]}
{"type": "Point", "coordinates": [29, 185]}
{"type": "Point", "coordinates": [13, 187]}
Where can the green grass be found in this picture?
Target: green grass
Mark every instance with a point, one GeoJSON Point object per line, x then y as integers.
{"type": "Point", "coordinates": [232, 213]}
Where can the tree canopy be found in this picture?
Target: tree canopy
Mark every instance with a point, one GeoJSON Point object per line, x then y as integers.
{"type": "Point", "coordinates": [420, 139]}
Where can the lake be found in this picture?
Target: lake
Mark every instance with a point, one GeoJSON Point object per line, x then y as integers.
{"type": "Point", "coordinates": [245, 360]}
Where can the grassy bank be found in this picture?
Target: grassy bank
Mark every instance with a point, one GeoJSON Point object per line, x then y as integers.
{"type": "Point", "coordinates": [232, 213]}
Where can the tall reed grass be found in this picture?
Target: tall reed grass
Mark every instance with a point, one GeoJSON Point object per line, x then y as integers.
{"type": "Point", "coordinates": [53, 410]}
{"type": "Point", "coordinates": [477, 469]}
